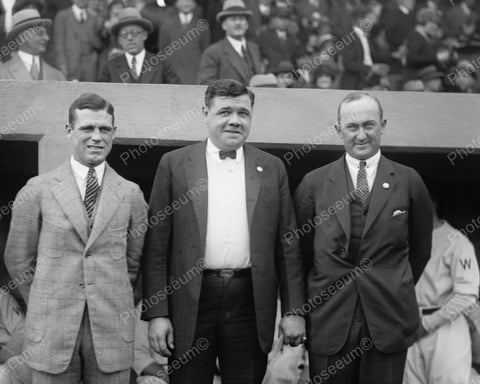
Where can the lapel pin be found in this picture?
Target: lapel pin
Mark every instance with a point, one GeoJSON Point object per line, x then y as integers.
{"type": "Point", "coordinates": [385, 185]}
{"type": "Point", "coordinates": [259, 169]}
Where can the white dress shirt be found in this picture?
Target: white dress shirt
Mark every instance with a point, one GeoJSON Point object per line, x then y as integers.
{"type": "Point", "coordinates": [185, 18]}
{"type": "Point", "coordinates": [238, 44]}
{"type": "Point", "coordinates": [228, 238]}
{"type": "Point", "coordinates": [8, 7]}
{"type": "Point", "coordinates": [367, 56]}
{"type": "Point", "coordinates": [79, 12]}
{"type": "Point", "coordinates": [371, 168]}
{"type": "Point", "coordinates": [404, 9]}
{"type": "Point", "coordinates": [140, 57]}
{"type": "Point", "coordinates": [80, 172]}
{"type": "Point", "coordinates": [27, 60]}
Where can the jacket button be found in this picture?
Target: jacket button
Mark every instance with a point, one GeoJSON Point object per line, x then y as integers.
{"type": "Point", "coordinates": [342, 249]}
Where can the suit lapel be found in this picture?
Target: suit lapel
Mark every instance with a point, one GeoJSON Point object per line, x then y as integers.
{"type": "Point", "coordinates": [337, 190]}
{"type": "Point", "coordinates": [252, 180]}
{"type": "Point", "coordinates": [147, 74]}
{"type": "Point", "coordinates": [110, 198]}
{"type": "Point", "coordinates": [68, 196]}
{"type": "Point", "coordinates": [195, 170]}
{"type": "Point", "coordinates": [121, 66]}
{"type": "Point", "coordinates": [255, 55]}
{"type": "Point", "coordinates": [17, 68]}
{"type": "Point", "coordinates": [234, 58]}
{"type": "Point", "coordinates": [382, 188]}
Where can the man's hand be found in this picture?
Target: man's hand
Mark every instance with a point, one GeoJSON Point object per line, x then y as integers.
{"type": "Point", "coordinates": [293, 329]}
{"type": "Point", "coordinates": [160, 335]}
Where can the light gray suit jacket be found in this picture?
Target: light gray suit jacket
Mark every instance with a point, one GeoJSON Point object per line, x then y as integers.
{"type": "Point", "coordinates": [15, 69]}
{"type": "Point", "coordinates": [74, 269]}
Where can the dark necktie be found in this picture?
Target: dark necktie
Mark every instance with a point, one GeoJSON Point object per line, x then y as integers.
{"type": "Point", "coordinates": [362, 184]}
{"type": "Point", "coordinates": [248, 59]}
{"type": "Point", "coordinates": [91, 192]}
{"type": "Point", "coordinates": [83, 17]}
{"type": "Point", "coordinates": [133, 69]}
{"type": "Point", "coordinates": [224, 154]}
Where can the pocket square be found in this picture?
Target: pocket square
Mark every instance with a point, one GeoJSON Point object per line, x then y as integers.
{"type": "Point", "coordinates": [398, 212]}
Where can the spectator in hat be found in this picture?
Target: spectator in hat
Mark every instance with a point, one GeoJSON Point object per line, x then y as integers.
{"type": "Point", "coordinates": [276, 42]}
{"type": "Point", "coordinates": [431, 78]}
{"type": "Point", "coordinates": [136, 65]}
{"type": "Point", "coordinates": [323, 77]}
{"type": "Point", "coordinates": [264, 81]}
{"type": "Point", "coordinates": [423, 42]}
{"type": "Point", "coordinates": [185, 27]}
{"type": "Point", "coordinates": [77, 42]}
{"type": "Point", "coordinates": [233, 57]}
{"type": "Point", "coordinates": [29, 36]}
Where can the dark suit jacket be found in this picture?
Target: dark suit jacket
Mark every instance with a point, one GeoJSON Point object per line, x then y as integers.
{"type": "Point", "coordinates": [420, 52]}
{"type": "Point", "coordinates": [75, 269]}
{"type": "Point", "coordinates": [154, 71]}
{"type": "Point", "coordinates": [194, 41]}
{"type": "Point", "coordinates": [175, 244]}
{"type": "Point", "coordinates": [221, 61]}
{"type": "Point", "coordinates": [393, 252]}
{"type": "Point", "coordinates": [355, 75]}
{"type": "Point", "coordinates": [397, 25]}
{"type": "Point", "coordinates": [274, 50]}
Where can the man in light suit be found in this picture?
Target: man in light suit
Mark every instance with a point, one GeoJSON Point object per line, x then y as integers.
{"type": "Point", "coordinates": [215, 259]}
{"type": "Point", "coordinates": [77, 42]}
{"type": "Point", "coordinates": [136, 65]}
{"type": "Point", "coordinates": [233, 57]}
{"type": "Point", "coordinates": [30, 30]}
{"type": "Point", "coordinates": [366, 233]}
{"type": "Point", "coordinates": [73, 227]}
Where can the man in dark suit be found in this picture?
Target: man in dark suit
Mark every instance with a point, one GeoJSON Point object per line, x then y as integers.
{"type": "Point", "coordinates": [366, 235]}
{"type": "Point", "coordinates": [217, 256]}
{"type": "Point", "coordinates": [71, 244]}
{"type": "Point", "coordinates": [136, 65]}
{"type": "Point", "coordinates": [233, 57]}
{"type": "Point", "coordinates": [185, 27]}
{"type": "Point", "coordinates": [77, 42]}
{"type": "Point", "coordinates": [362, 67]}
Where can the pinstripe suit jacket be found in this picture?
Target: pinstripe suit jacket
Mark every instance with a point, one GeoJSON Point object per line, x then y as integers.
{"type": "Point", "coordinates": [74, 269]}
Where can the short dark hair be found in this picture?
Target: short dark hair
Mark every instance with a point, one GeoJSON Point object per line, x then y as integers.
{"type": "Point", "coordinates": [353, 96]}
{"type": "Point", "coordinates": [227, 88]}
{"type": "Point", "coordinates": [90, 101]}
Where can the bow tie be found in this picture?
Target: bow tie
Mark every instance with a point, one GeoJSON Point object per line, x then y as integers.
{"type": "Point", "coordinates": [224, 154]}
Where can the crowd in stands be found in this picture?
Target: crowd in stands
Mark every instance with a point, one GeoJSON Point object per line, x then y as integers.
{"type": "Point", "coordinates": [413, 45]}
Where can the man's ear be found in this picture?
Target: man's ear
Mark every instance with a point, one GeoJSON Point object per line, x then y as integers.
{"type": "Point", "coordinates": [69, 130]}
{"type": "Point", "coordinates": [205, 111]}
{"type": "Point", "coordinates": [338, 128]}
{"type": "Point", "coordinates": [384, 125]}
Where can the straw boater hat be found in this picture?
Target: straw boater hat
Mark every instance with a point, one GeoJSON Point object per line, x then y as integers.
{"type": "Point", "coordinates": [27, 18]}
{"type": "Point", "coordinates": [129, 16]}
{"type": "Point", "coordinates": [233, 8]}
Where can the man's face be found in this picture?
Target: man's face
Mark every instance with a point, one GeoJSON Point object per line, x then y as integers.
{"type": "Point", "coordinates": [235, 26]}
{"type": "Point", "coordinates": [433, 85]}
{"type": "Point", "coordinates": [81, 3]}
{"type": "Point", "coordinates": [34, 41]}
{"type": "Point", "coordinates": [132, 38]}
{"type": "Point", "coordinates": [92, 136]}
{"type": "Point", "coordinates": [228, 120]}
{"type": "Point", "coordinates": [185, 6]}
{"type": "Point", "coordinates": [280, 23]}
{"type": "Point", "coordinates": [360, 127]}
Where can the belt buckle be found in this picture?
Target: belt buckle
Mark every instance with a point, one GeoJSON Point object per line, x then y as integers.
{"type": "Point", "coordinates": [227, 272]}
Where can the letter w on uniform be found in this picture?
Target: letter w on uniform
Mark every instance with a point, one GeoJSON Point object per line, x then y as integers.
{"type": "Point", "coordinates": [465, 263]}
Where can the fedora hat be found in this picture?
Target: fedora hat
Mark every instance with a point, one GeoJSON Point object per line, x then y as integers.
{"type": "Point", "coordinates": [27, 18]}
{"type": "Point", "coordinates": [233, 8]}
{"type": "Point", "coordinates": [129, 16]}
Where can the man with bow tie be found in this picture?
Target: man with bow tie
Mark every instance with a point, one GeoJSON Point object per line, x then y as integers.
{"type": "Point", "coordinates": [75, 243]}
{"type": "Point", "coordinates": [216, 256]}
{"type": "Point", "coordinates": [366, 237]}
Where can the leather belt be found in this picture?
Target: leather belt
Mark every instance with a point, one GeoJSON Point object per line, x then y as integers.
{"type": "Point", "coordinates": [228, 272]}
{"type": "Point", "coordinates": [429, 311]}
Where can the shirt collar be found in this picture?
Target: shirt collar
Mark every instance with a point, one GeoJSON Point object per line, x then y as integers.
{"type": "Point", "coordinates": [213, 151]}
{"type": "Point", "coordinates": [404, 9]}
{"type": "Point", "coordinates": [82, 170]}
{"type": "Point", "coordinates": [359, 32]}
{"type": "Point", "coordinates": [371, 161]}
{"type": "Point", "coordinates": [237, 44]}
{"type": "Point", "coordinates": [139, 56]}
{"type": "Point", "coordinates": [465, 8]}
{"type": "Point", "coordinates": [77, 11]}
{"type": "Point", "coordinates": [28, 58]}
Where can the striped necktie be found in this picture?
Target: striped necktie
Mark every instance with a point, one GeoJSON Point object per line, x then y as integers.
{"type": "Point", "coordinates": [362, 183]}
{"type": "Point", "coordinates": [91, 192]}
{"type": "Point", "coordinates": [34, 71]}
{"type": "Point", "coordinates": [134, 68]}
